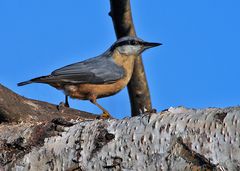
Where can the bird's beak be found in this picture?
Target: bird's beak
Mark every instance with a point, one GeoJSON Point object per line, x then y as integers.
{"type": "Point", "coordinates": [151, 45]}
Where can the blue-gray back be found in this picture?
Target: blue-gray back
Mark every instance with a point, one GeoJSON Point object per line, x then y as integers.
{"type": "Point", "coordinates": [96, 70]}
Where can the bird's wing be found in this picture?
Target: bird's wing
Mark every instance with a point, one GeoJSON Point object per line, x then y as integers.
{"type": "Point", "coordinates": [97, 70]}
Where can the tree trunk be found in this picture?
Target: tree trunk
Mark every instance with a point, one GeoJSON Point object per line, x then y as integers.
{"type": "Point", "coordinates": [137, 87]}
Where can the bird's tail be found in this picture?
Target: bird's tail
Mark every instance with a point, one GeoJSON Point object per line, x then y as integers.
{"type": "Point", "coordinates": [24, 83]}
{"type": "Point", "coordinates": [34, 80]}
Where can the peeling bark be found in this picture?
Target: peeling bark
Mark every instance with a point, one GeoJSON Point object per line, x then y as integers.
{"type": "Point", "coordinates": [176, 139]}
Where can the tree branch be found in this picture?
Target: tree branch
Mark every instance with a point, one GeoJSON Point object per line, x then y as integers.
{"type": "Point", "coordinates": [137, 88]}
{"type": "Point", "coordinates": [15, 108]}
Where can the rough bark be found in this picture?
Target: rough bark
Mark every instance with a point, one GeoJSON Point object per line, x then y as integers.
{"type": "Point", "coordinates": [175, 139]}
{"type": "Point", "coordinates": [15, 108]}
{"type": "Point", "coordinates": [138, 87]}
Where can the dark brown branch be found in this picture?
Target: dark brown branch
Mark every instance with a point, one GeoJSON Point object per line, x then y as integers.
{"type": "Point", "coordinates": [137, 88]}
{"type": "Point", "coordinates": [15, 108]}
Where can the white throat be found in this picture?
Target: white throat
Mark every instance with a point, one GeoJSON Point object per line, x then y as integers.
{"type": "Point", "coordinates": [129, 49]}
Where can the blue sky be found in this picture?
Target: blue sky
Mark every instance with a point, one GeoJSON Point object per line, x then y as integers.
{"type": "Point", "coordinates": [198, 65]}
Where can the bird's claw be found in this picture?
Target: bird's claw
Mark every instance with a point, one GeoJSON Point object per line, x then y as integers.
{"type": "Point", "coordinates": [104, 115]}
{"type": "Point", "coordinates": [62, 106]}
{"type": "Point", "coordinates": [66, 105]}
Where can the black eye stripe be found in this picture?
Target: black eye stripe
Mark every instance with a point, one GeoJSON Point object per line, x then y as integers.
{"type": "Point", "coordinates": [126, 42]}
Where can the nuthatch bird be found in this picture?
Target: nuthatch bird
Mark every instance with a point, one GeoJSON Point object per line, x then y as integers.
{"type": "Point", "coordinates": [98, 77]}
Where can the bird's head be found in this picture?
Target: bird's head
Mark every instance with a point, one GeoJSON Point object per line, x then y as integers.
{"type": "Point", "coordinates": [132, 45]}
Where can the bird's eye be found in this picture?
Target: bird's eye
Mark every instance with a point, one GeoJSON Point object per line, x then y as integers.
{"type": "Point", "coordinates": [133, 42]}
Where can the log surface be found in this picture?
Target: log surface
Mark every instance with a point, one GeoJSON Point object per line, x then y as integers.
{"type": "Point", "coordinates": [175, 139]}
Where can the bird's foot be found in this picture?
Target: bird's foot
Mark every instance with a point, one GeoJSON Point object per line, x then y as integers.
{"type": "Point", "coordinates": [66, 105]}
{"type": "Point", "coordinates": [62, 106]}
{"type": "Point", "coordinates": [105, 115]}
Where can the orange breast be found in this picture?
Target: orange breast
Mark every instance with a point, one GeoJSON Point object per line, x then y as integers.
{"type": "Point", "coordinates": [84, 91]}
